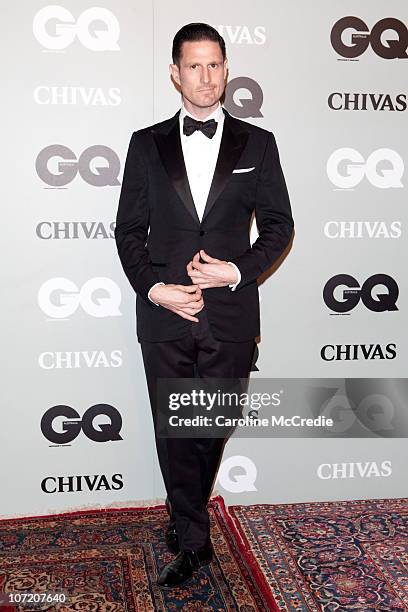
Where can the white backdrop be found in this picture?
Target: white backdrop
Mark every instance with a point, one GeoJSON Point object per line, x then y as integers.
{"type": "Point", "coordinates": [78, 80]}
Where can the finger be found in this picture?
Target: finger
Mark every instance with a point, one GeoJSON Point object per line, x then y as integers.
{"type": "Point", "coordinates": [188, 288]}
{"type": "Point", "coordinates": [207, 257]}
{"type": "Point", "coordinates": [190, 311]}
{"type": "Point", "coordinates": [194, 303]}
{"type": "Point", "coordinates": [190, 298]}
{"type": "Point", "coordinates": [189, 304]}
{"type": "Point", "coordinates": [197, 265]}
{"type": "Point", "coordinates": [195, 296]}
{"type": "Point", "coordinates": [196, 257]}
{"type": "Point", "coordinates": [185, 316]}
{"type": "Point", "coordinates": [197, 273]}
{"type": "Point", "coordinates": [197, 277]}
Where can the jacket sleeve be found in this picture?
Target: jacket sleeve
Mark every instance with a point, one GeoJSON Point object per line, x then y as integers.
{"type": "Point", "coordinates": [273, 218]}
{"type": "Point", "coordinates": [132, 222]}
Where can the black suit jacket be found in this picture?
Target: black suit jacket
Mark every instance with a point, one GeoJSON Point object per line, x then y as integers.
{"type": "Point", "coordinates": [155, 194]}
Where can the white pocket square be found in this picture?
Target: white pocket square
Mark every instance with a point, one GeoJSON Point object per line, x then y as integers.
{"type": "Point", "coordinates": [238, 170]}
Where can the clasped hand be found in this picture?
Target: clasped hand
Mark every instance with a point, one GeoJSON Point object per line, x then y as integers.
{"type": "Point", "coordinates": [188, 300]}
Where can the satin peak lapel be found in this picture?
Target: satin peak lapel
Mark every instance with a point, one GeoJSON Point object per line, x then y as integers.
{"type": "Point", "coordinates": [171, 155]}
{"type": "Point", "coordinates": [231, 146]}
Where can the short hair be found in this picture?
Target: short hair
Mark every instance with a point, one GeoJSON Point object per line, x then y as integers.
{"type": "Point", "coordinates": [195, 32]}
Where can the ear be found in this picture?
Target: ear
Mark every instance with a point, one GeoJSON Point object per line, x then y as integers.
{"type": "Point", "coordinates": [225, 68]}
{"type": "Point", "coordinates": [175, 73]}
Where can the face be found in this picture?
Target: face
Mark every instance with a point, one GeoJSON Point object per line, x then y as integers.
{"type": "Point", "coordinates": [201, 76]}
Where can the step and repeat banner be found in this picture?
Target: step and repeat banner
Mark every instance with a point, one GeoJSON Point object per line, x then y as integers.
{"type": "Point", "coordinates": [329, 79]}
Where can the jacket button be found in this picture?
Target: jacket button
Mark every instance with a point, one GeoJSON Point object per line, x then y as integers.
{"type": "Point", "coordinates": [202, 232]}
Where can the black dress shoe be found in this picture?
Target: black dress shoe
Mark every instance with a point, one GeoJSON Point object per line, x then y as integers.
{"type": "Point", "coordinates": [172, 539]}
{"type": "Point", "coordinates": [183, 566]}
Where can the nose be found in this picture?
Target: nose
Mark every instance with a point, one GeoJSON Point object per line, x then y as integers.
{"type": "Point", "coordinates": [205, 75]}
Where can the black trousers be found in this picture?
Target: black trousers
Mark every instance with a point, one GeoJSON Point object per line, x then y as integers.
{"type": "Point", "coordinates": [189, 465]}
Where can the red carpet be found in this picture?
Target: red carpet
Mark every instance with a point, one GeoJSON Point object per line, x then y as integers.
{"type": "Point", "coordinates": [331, 556]}
{"type": "Point", "coordinates": [108, 560]}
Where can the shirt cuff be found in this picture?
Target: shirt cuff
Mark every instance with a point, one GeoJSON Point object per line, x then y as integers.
{"type": "Point", "coordinates": [148, 295]}
{"type": "Point", "coordinates": [234, 285]}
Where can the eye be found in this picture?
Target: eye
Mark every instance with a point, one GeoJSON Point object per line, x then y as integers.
{"type": "Point", "coordinates": [213, 65]}
{"type": "Point", "coordinates": [193, 66]}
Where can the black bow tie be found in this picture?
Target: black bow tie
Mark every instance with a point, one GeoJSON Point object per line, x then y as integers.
{"type": "Point", "coordinates": [190, 125]}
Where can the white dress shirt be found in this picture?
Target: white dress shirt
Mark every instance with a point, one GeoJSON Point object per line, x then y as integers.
{"type": "Point", "coordinates": [200, 157]}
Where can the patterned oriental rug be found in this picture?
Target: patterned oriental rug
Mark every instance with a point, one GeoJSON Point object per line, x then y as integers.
{"type": "Point", "coordinates": [330, 556]}
{"type": "Point", "coordinates": [108, 561]}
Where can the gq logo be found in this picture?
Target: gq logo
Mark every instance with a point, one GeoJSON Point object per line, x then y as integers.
{"type": "Point", "coordinates": [358, 168]}
{"type": "Point", "coordinates": [65, 171]}
{"type": "Point", "coordinates": [71, 429]}
{"type": "Point", "coordinates": [244, 480]}
{"type": "Point", "coordinates": [248, 106]}
{"type": "Point", "coordinates": [55, 28]}
{"type": "Point", "coordinates": [59, 298]}
{"type": "Point", "coordinates": [361, 38]}
{"type": "Point", "coordinates": [351, 296]}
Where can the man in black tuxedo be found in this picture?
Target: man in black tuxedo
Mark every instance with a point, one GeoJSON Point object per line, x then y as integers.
{"type": "Point", "coordinates": [190, 186]}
